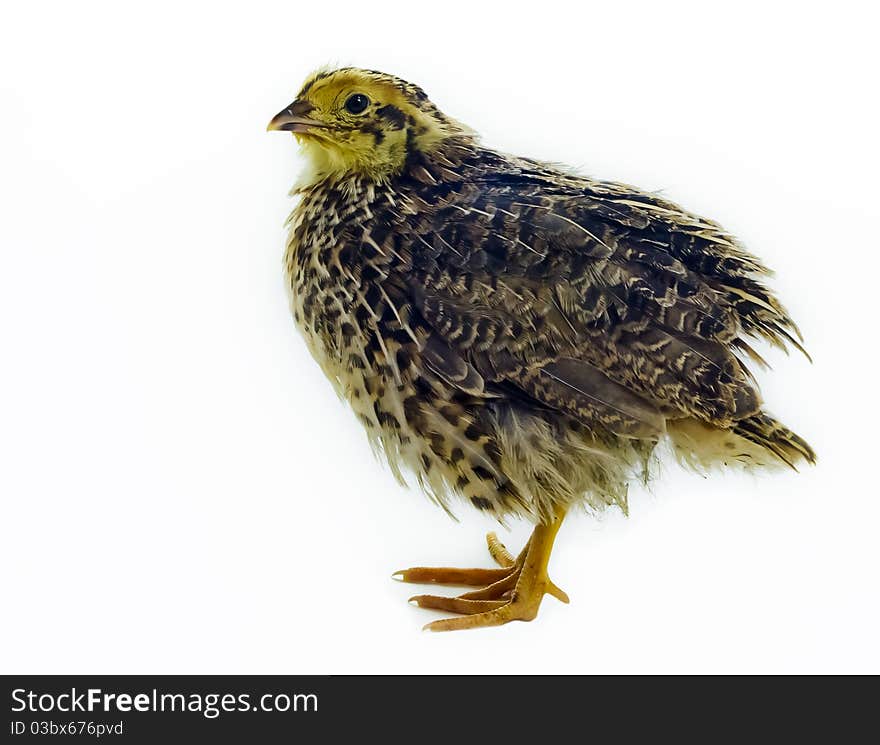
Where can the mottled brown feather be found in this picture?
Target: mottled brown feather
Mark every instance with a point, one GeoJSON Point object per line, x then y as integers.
{"type": "Point", "coordinates": [523, 336]}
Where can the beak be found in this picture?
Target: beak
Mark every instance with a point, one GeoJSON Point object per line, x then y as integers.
{"type": "Point", "coordinates": [294, 119]}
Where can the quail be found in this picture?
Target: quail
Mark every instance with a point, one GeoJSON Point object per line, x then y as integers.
{"type": "Point", "coordinates": [513, 334]}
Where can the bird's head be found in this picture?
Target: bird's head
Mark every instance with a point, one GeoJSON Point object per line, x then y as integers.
{"type": "Point", "coordinates": [362, 122]}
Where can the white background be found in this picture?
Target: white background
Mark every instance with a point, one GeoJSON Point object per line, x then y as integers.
{"type": "Point", "coordinates": [181, 490]}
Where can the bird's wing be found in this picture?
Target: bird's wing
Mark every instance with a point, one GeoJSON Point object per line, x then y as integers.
{"type": "Point", "coordinates": [592, 298]}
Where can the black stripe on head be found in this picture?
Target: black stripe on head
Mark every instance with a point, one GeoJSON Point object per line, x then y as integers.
{"type": "Point", "coordinates": [393, 115]}
{"type": "Point", "coordinates": [419, 94]}
{"type": "Point", "coordinates": [373, 129]}
{"type": "Point", "coordinates": [307, 87]}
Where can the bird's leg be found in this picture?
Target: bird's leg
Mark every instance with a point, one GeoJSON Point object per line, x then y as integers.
{"type": "Point", "coordinates": [512, 593]}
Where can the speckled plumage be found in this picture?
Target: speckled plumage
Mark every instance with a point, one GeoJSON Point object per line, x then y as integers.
{"type": "Point", "coordinates": [519, 335]}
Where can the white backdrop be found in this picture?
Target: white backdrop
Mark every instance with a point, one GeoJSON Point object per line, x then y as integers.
{"type": "Point", "coordinates": [182, 491]}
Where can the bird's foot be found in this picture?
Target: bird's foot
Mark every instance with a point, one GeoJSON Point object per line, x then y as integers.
{"type": "Point", "coordinates": [512, 593]}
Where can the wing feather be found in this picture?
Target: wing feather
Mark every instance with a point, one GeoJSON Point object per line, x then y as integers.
{"type": "Point", "coordinates": [613, 305]}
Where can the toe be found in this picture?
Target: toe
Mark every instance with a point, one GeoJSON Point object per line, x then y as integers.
{"type": "Point", "coordinates": [496, 590]}
{"type": "Point", "coordinates": [557, 593]}
{"type": "Point", "coordinates": [451, 576]}
{"type": "Point", "coordinates": [499, 551]}
{"type": "Point", "coordinates": [456, 605]}
{"type": "Point", "coordinates": [495, 617]}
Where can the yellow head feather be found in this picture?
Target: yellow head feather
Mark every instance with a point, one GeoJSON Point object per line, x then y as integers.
{"type": "Point", "coordinates": [361, 122]}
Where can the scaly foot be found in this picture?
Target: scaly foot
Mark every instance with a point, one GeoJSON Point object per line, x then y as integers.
{"type": "Point", "coordinates": [512, 593]}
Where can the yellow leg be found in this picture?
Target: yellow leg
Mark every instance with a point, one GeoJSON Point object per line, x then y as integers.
{"type": "Point", "coordinates": [512, 593]}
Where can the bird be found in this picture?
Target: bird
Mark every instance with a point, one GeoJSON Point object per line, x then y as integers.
{"type": "Point", "coordinates": [516, 336]}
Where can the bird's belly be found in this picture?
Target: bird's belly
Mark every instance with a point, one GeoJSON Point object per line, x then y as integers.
{"type": "Point", "coordinates": [359, 363]}
{"type": "Point", "coordinates": [500, 459]}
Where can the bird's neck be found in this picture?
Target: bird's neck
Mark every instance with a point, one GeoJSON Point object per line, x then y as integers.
{"type": "Point", "coordinates": [445, 159]}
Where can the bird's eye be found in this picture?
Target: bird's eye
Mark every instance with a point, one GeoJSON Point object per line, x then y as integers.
{"type": "Point", "coordinates": [356, 103]}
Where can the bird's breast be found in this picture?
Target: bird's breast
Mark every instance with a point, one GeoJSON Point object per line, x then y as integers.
{"type": "Point", "coordinates": [336, 294]}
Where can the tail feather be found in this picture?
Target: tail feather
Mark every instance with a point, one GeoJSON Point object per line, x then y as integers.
{"type": "Point", "coordinates": [765, 431]}
{"type": "Point", "coordinates": [758, 441]}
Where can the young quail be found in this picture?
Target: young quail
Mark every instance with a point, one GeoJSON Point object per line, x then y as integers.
{"type": "Point", "coordinates": [513, 333]}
